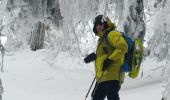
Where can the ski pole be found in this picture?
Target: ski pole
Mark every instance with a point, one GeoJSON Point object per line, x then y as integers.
{"type": "Point", "coordinates": [90, 88]}
{"type": "Point", "coordinates": [97, 84]}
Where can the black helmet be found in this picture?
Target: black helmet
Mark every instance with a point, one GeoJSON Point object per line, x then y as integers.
{"type": "Point", "coordinates": [99, 20]}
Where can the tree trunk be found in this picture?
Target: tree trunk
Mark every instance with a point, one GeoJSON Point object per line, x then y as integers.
{"type": "Point", "coordinates": [37, 37]}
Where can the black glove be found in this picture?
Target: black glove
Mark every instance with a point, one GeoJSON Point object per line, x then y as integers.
{"type": "Point", "coordinates": [91, 57]}
{"type": "Point", "coordinates": [106, 63]}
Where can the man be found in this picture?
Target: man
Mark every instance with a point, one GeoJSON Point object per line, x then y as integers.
{"type": "Point", "coordinates": [108, 59]}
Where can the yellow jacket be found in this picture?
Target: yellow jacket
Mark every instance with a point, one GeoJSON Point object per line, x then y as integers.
{"type": "Point", "coordinates": [117, 55]}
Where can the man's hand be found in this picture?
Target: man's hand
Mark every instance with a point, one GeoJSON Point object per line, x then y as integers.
{"type": "Point", "coordinates": [89, 58]}
{"type": "Point", "coordinates": [106, 63]}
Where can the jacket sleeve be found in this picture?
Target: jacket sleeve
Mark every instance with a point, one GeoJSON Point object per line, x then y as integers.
{"type": "Point", "coordinates": [117, 41]}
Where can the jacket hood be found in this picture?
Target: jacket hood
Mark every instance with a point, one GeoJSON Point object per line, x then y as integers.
{"type": "Point", "coordinates": [110, 26]}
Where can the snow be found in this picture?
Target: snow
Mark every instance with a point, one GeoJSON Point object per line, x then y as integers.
{"type": "Point", "coordinates": [27, 76]}
{"type": "Point", "coordinates": [3, 39]}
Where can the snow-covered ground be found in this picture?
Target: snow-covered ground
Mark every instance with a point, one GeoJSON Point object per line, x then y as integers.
{"type": "Point", "coordinates": [28, 77]}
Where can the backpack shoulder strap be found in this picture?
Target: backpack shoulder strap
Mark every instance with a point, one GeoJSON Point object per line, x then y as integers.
{"type": "Point", "coordinates": [105, 39]}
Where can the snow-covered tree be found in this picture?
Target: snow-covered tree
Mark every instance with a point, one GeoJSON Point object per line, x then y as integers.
{"type": "Point", "coordinates": [159, 43]}
{"type": "Point", "coordinates": [22, 16]}
{"type": "Point", "coordinates": [135, 25]}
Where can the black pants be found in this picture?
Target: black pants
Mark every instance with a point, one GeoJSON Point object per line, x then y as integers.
{"type": "Point", "coordinates": [108, 88]}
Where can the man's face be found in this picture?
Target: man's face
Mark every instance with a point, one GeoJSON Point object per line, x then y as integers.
{"type": "Point", "coordinates": [100, 27]}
